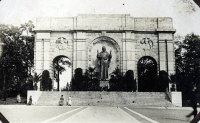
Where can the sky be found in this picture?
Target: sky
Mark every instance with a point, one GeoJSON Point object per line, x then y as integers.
{"type": "Point", "coordinates": [185, 13]}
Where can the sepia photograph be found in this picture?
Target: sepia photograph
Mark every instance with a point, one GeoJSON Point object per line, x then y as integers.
{"type": "Point", "coordinates": [100, 61]}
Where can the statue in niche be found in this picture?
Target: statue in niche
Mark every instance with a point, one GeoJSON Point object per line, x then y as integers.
{"type": "Point", "coordinates": [104, 59]}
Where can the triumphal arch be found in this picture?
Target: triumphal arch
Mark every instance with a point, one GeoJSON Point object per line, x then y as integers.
{"type": "Point", "coordinates": [128, 39]}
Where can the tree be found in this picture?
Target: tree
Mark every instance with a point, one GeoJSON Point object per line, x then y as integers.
{"type": "Point", "coordinates": [36, 78]}
{"type": "Point", "coordinates": [46, 81]}
{"type": "Point", "coordinates": [17, 56]}
{"type": "Point", "coordinates": [130, 81]}
{"type": "Point", "coordinates": [116, 81]}
{"type": "Point", "coordinates": [87, 82]}
{"type": "Point", "coordinates": [93, 83]}
{"type": "Point", "coordinates": [187, 63]}
{"type": "Point", "coordinates": [192, 54]}
{"type": "Point", "coordinates": [77, 80]}
{"type": "Point", "coordinates": [59, 67]}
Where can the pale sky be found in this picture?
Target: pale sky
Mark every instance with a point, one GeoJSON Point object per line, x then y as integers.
{"type": "Point", "coordinates": [185, 13]}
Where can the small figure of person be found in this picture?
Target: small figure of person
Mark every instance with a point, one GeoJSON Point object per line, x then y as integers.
{"type": "Point", "coordinates": [69, 101]}
{"type": "Point", "coordinates": [61, 102]}
{"type": "Point", "coordinates": [18, 98]}
{"type": "Point", "coordinates": [30, 100]}
{"type": "Point", "coordinates": [193, 101]}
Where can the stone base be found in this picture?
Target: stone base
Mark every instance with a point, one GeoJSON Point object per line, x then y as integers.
{"type": "Point", "coordinates": [176, 98]}
{"type": "Point", "coordinates": [104, 83]}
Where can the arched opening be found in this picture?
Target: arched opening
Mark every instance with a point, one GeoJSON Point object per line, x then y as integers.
{"type": "Point", "coordinates": [147, 74]}
{"type": "Point", "coordinates": [62, 73]}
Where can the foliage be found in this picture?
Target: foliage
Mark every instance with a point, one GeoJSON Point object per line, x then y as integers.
{"type": "Point", "coordinates": [187, 63]}
{"type": "Point", "coordinates": [172, 78]}
{"type": "Point", "coordinates": [147, 74]}
{"type": "Point", "coordinates": [130, 81]}
{"type": "Point", "coordinates": [59, 67]}
{"type": "Point", "coordinates": [87, 82]}
{"type": "Point", "coordinates": [91, 72]}
{"type": "Point", "coordinates": [36, 78]}
{"type": "Point", "coordinates": [17, 55]}
{"type": "Point", "coordinates": [46, 81]}
{"type": "Point", "coordinates": [67, 88]}
{"type": "Point", "coordinates": [122, 83]}
{"type": "Point", "coordinates": [28, 85]}
{"type": "Point", "coordinates": [163, 81]}
{"type": "Point", "coordinates": [116, 81]}
{"type": "Point", "coordinates": [77, 81]}
{"type": "Point", "coordinates": [91, 79]}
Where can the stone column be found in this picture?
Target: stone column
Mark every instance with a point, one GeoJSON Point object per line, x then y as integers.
{"type": "Point", "coordinates": [167, 56]}
{"type": "Point", "coordinates": [80, 51]}
{"type": "Point", "coordinates": [124, 53]}
{"type": "Point", "coordinates": [41, 53]}
{"type": "Point", "coordinates": [129, 51]}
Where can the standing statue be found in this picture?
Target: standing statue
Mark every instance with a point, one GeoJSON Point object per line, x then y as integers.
{"type": "Point", "coordinates": [104, 61]}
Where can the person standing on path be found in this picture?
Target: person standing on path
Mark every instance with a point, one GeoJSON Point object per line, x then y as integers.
{"type": "Point", "coordinates": [193, 102]}
{"type": "Point", "coordinates": [30, 100]}
{"type": "Point", "coordinates": [61, 102]}
{"type": "Point", "coordinates": [70, 101]}
{"type": "Point", "coordinates": [18, 98]}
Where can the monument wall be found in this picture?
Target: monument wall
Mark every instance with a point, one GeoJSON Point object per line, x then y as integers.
{"type": "Point", "coordinates": [129, 39]}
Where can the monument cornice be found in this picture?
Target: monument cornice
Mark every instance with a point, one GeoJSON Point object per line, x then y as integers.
{"type": "Point", "coordinates": [110, 30]}
{"type": "Point", "coordinates": [166, 30]}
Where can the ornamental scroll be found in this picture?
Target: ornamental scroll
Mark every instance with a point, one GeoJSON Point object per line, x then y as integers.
{"type": "Point", "coordinates": [146, 43]}
{"type": "Point", "coordinates": [61, 43]}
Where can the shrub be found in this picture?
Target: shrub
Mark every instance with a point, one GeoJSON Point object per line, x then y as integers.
{"type": "Point", "coordinates": [46, 81]}
{"type": "Point", "coordinates": [130, 81]}
{"type": "Point", "coordinates": [77, 81]}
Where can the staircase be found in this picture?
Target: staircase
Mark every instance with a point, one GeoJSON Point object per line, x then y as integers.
{"type": "Point", "coordinates": [90, 98]}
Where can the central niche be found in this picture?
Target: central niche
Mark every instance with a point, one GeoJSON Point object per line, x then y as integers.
{"type": "Point", "coordinates": [111, 47]}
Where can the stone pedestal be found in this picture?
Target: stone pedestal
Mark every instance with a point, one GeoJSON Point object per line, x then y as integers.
{"type": "Point", "coordinates": [176, 98]}
{"type": "Point", "coordinates": [104, 83]}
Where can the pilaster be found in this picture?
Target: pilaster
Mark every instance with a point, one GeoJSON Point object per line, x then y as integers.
{"type": "Point", "coordinates": [41, 53]}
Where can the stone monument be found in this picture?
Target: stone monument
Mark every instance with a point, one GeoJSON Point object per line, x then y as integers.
{"type": "Point", "coordinates": [130, 39]}
{"type": "Point", "coordinates": [104, 59]}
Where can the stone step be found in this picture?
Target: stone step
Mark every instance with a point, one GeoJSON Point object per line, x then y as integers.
{"type": "Point", "coordinates": [105, 98]}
